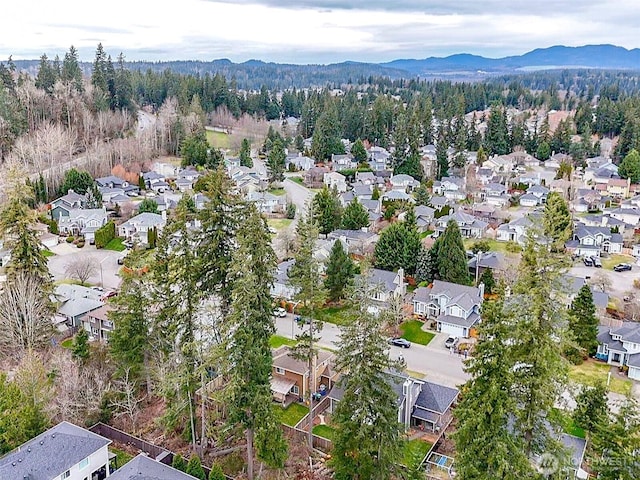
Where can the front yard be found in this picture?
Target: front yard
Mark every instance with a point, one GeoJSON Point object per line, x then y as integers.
{"type": "Point", "coordinates": [592, 372]}
{"type": "Point", "coordinates": [412, 331]}
{"type": "Point", "coordinates": [277, 341]}
{"type": "Point", "coordinates": [279, 223]}
{"type": "Point", "coordinates": [614, 259]}
{"type": "Point", "coordinates": [292, 414]}
{"type": "Point", "coordinates": [277, 191]}
{"type": "Point", "coordinates": [116, 245]}
{"type": "Point", "coordinates": [338, 315]}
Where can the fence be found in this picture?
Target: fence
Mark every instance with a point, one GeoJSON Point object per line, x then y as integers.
{"type": "Point", "coordinates": [320, 443]}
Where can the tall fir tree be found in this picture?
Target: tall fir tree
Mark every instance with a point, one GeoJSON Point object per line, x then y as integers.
{"type": "Point", "coordinates": [276, 162]}
{"type": "Point", "coordinates": [249, 328]}
{"type": "Point", "coordinates": [245, 154]}
{"type": "Point", "coordinates": [496, 139]}
{"type": "Point", "coordinates": [355, 216]}
{"type": "Point", "coordinates": [359, 152]}
{"type": "Point", "coordinates": [583, 322]}
{"type": "Point", "coordinates": [450, 256]}
{"type": "Point", "coordinates": [71, 72]}
{"type": "Point", "coordinates": [340, 272]}
{"type": "Point", "coordinates": [557, 221]}
{"type": "Point", "coordinates": [327, 211]}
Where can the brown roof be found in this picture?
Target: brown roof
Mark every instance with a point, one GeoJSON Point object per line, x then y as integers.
{"type": "Point", "coordinates": [282, 358]}
{"type": "Point", "coordinates": [618, 182]}
{"type": "Point", "coordinates": [101, 313]}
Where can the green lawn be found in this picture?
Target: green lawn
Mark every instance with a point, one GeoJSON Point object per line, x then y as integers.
{"type": "Point", "coordinates": [116, 245]}
{"type": "Point", "coordinates": [494, 245]}
{"type": "Point", "coordinates": [122, 457]}
{"type": "Point", "coordinates": [298, 180]}
{"type": "Point", "coordinates": [591, 372]}
{"type": "Point", "coordinates": [292, 414]}
{"type": "Point", "coordinates": [277, 341]}
{"type": "Point", "coordinates": [218, 139]}
{"type": "Point", "coordinates": [47, 253]}
{"type": "Point", "coordinates": [412, 331]}
{"type": "Point", "coordinates": [426, 234]}
{"type": "Point", "coordinates": [277, 191]}
{"type": "Point", "coordinates": [414, 452]}
{"type": "Point", "coordinates": [337, 315]}
{"type": "Point", "coordinates": [612, 260]}
{"type": "Point", "coordinates": [568, 425]}
{"type": "Point", "coordinates": [68, 343]}
{"type": "Point", "coordinates": [279, 223]}
{"type": "Point", "coordinates": [324, 431]}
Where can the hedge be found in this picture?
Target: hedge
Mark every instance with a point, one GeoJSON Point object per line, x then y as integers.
{"type": "Point", "coordinates": [105, 234]}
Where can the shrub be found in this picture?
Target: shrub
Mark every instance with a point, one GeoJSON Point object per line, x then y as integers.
{"type": "Point", "coordinates": [80, 244]}
{"type": "Point", "coordinates": [105, 234]}
{"type": "Point", "coordinates": [636, 283]}
{"type": "Point", "coordinates": [70, 239]}
{"type": "Point", "coordinates": [512, 247]}
{"type": "Point", "coordinates": [291, 210]}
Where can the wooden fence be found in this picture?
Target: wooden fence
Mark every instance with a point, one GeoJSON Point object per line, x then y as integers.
{"type": "Point", "coordinates": [320, 443]}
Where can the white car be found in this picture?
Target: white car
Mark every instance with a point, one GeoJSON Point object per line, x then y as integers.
{"type": "Point", "coordinates": [280, 312]}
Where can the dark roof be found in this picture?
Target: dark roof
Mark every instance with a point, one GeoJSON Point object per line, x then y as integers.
{"type": "Point", "coordinates": [436, 398]}
{"type": "Point", "coordinates": [576, 447]}
{"type": "Point", "coordinates": [51, 453]}
{"type": "Point", "coordinates": [145, 468]}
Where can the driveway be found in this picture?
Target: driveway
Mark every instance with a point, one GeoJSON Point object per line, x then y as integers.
{"type": "Point", "coordinates": [433, 362]}
{"type": "Point", "coordinates": [105, 261]}
{"type": "Point", "coordinates": [621, 282]}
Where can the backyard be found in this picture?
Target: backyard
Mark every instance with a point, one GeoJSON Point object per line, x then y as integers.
{"type": "Point", "coordinates": [277, 341]}
{"type": "Point", "coordinates": [279, 223]}
{"type": "Point", "coordinates": [292, 414]}
{"type": "Point", "coordinates": [412, 331]}
{"type": "Point", "coordinates": [592, 371]}
{"type": "Point", "coordinates": [324, 431]}
{"type": "Point", "coordinates": [218, 139]}
{"type": "Point", "coordinates": [414, 452]}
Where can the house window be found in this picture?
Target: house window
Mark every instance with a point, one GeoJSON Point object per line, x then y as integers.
{"type": "Point", "coordinates": [280, 371]}
{"type": "Point", "coordinates": [66, 474]}
{"type": "Point", "coordinates": [83, 463]}
{"type": "Point", "coordinates": [295, 390]}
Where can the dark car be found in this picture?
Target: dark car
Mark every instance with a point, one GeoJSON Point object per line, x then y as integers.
{"type": "Point", "coordinates": [451, 342]}
{"type": "Point", "coordinates": [588, 261]}
{"type": "Point", "coordinates": [399, 342]}
{"type": "Point", "coordinates": [300, 319]}
{"type": "Point", "coordinates": [596, 262]}
{"type": "Point", "coordinates": [622, 267]}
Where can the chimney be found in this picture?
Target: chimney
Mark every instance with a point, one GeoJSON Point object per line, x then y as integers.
{"type": "Point", "coordinates": [70, 191]}
{"type": "Point", "coordinates": [164, 215]}
{"type": "Point", "coordinates": [481, 290]}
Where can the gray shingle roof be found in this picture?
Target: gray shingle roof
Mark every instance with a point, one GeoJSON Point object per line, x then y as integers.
{"type": "Point", "coordinates": [145, 468]}
{"type": "Point", "coordinates": [382, 278]}
{"type": "Point", "coordinates": [470, 321]}
{"type": "Point", "coordinates": [51, 453]}
{"type": "Point", "coordinates": [436, 398]}
{"type": "Point", "coordinates": [634, 360]}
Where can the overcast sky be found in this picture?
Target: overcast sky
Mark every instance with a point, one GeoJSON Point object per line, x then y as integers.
{"type": "Point", "coordinates": [311, 31]}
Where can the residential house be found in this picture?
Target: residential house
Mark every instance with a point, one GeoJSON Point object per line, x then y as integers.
{"type": "Point", "coordinates": [528, 200]}
{"type": "Point", "coordinates": [629, 216]}
{"type": "Point", "coordinates": [470, 226]}
{"type": "Point", "coordinates": [398, 195]}
{"type": "Point", "coordinates": [299, 162]}
{"type": "Point", "coordinates": [314, 177]}
{"type": "Point", "coordinates": [605, 221]}
{"type": "Point", "coordinates": [231, 162]}
{"type": "Point", "coordinates": [83, 222]}
{"type": "Point", "coordinates": [484, 211]}
{"type": "Point", "coordinates": [61, 207]}
{"type": "Point", "coordinates": [343, 162]}
{"type": "Point", "coordinates": [440, 202]}
{"type": "Point", "coordinates": [136, 228]}
{"type": "Point", "coordinates": [515, 230]}
{"type": "Point", "coordinates": [362, 191]}
{"type": "Point", "coordinates": [541, 192]}
{"type": "Point", "coordinates": [621, 346]}
{"type": "Point", "coordinates": [499, 163]}
{"type": "Point", "coordinates": [108, 194]}
{"type": "Point", "coordinates": [587, 200]}
{"type": "Point", "coordinates": [404, 182]}
{"type": "Point", "coordinates": [291, 379]}
{"type": "Point", "coordinates": [484, 175]}
{"type": "Point", "coordinates": [186, 179]}
{"type": "Point", "coordinates": [112, 181]}
{"type": "Point", "coordinates": [97, 323]}
{"type": "Point", "coordinates": [346, 198]}
{"type": "Point", "coordinates": [530, 178]}
{"type": "Point", "coordinates": [335, 180]}
{"type": "Point", "coordinates": [485, 260]}
{"type": "Point", "coordinates": [64, 452]}
{"type": "Point", "coordinates": [456, 308]}
{"type": "Point", "coordinates": [150, 178]}
{"type": "Point", "coordinates": [74, 302]}
{"type": "Point", "coordinates": [592, 241]}
{"type": "Point", "coordinates": [424, 217]}
{"type": "Point", "coordinates": [383, 285]}
{"type": "Point", "coordinates": [142, 467]}
{"type": "Point", "coordinates": [619, 187]}
{"type": "Point", "coordinates": [571, 285]}
{"type": "Point", "coordinates": [368, 178]}
{"type": "Point", "coordinates": [374, 209]}
{"type": "Point", "coordinates": [561, 186]}
{"type": "Point", "coordinates": [378, 158]}
{"type": "Point", "coordinates": [167, 170]}
{"type": "Point", "coordinates": [267, 202]}
{"type": "Point", "coordinates": [281, 287]}
{"type": "Point", "coordinates": [493, 189]}
{"type": "Point", "coordinates": [452, 188]}
{"type": "Point", "coordinates": [357, 241]}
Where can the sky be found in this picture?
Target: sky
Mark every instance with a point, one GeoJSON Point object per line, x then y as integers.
{"type": "Point", "coordinates": [311, 31]}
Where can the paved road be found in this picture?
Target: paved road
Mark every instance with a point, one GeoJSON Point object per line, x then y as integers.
{"type": "Point", "coordinates": [301, 196]}
{"type": "Point", "coordinates": [621, 282]}
{"type": "Point", "coordinates": [433, 361]}
{"type": "Point", "coordinates": [105, 262]}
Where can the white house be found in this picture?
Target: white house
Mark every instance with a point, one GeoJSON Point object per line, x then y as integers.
{"type": "Point", "coordinates": [61, 207]}
{"type": "Point", "coordinates": [343, 162]}
{"type": "Point", "coordinates": [64, 452]}
{"type": "Point", "coordinates": [592, 241]}
{"type": "Point", "coordinates": [383, 285]}
{"type": "Point", "coordinates": [529, 200]}
{"type": "Point", "coordinates": [621, 346]}
{"type": "Point", "coordinates": [514, 231]}
{"type": "Point", "coordinates": [299, 161]}
{"type": "Point", "coordinates": [357, 241]}
{"type": "Point", "coordinates": [166, 169]}
{"type": "Point", "coordinates": [335, 180]}
{"type": "Point", "coordinates": [470, 226]}
{"type": "Point", "coordinates": [403, 182]}
{"type": "Point", "coordinates": [452, 188]}
{"type": "Point", "coordinates": [456, 308]}
{"type": "Point", "coordinates": [281, 287]}
{"type": "Point", "coordinates": [378, 158]}
{"type": "Point", "coordinates": [136, 228]}
{"type": "Point", "coordinates": [83, 222]}
{"type": "Point", "coordinates": [267, 202]}
{"type": "Point", "coordinates": [627, 215]}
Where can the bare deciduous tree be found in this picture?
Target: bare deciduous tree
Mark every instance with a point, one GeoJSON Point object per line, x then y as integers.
{"type": "Point", "coordinates": [601, 280]}
{"type": "Point", "coordinates": [128, 400]}
{"type": "Point", "coordinates": [81, 268]}
{"type": "Point", "coordinates": [25, 314]}
{"type": "Point", "coordinates": [395, 313]}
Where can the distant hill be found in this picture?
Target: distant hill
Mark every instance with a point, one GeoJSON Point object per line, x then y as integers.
{"type": "Point", "coordinates": [254, 73]}
{"type": "Point", "coordinates": [589, 56]}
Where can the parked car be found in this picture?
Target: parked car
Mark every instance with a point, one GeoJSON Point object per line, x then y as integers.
{"type": "Point", "coordinates": [588, 262]}
{"type": "Point", "coordinates": [399, 342]}
{"type": "Point", "coordinates": [120, 260]}
{"type": "Point", "coordinates": [280, 312]}
{"type": "Point", "coordinates": [596, 262]}
{"type": "Point", "coordinates": [622, 267]}
{"type": "Point", "coordinates": [451, 342]}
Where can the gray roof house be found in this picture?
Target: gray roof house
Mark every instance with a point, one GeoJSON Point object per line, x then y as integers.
{"type": "Point", "coordinates": [342, 162]}
{"type": "Point", "coordinates": [383, 285]}
{"type": "Point", "coordinates": [299, 161]}
{"type": "Point", "coordinates": [83, 222]}
{"type": "Point", "coordinates": [74, 302]}
{"type": "Point", "coordinates": [591, 241]}
{"type": "Point", "coordinates": [281, 287]}
{"type": "Point", "coordinates": [112, 181]}
{"type": "Point", "coordinates": [470, 226]}
{"type": "Point", "coordinates": [621, 346]}
{"type": "Point", "coordinates": [61, 207]}
{"type": "Point", "coordinates": [403, 182]}
{"type": "Point", "coordinates": [357, 241]}
{"type": "Point", "coordinates": [515, 230]}
{"type": "Point", "coordinates": [142, 467]}
{"type": "Point", "coordinates": [456, 308]}
{"type": "Point", "coordinates": [65, 451]}
{"type": "Point", "coordinates": [136, 228]}
{"type": "Point", "coordinates": [267, 202]}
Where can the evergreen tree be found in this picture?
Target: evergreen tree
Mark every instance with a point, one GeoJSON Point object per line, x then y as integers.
{"type": "Point", "coordinates": [481, 156]}
{"type": "Point", "coordinates": [99, 72]}
{"type": "Point", "coordinates": [326, 135]}
{"type": "Point", "coordinates": [591, 407]}
{"type": "Point", "coordinates": [148, 205]}
{"type": "Point", "coordinates": [194, 468]}
{"type": "Point", "coordinates": [195, 150]}
{"type": "Point", "coordinates": [617, 441]}
{"type": "Point", "coordinates": [630, 166]}
{"type": "Point", "coordinates": [46, 77]}
{"type": "Point", "coordinates": [299, 143]}
{"type": "Point", "coordinates": [80, 349]}
{"type": "Point", "coordinates": [396, 249]}
{"type": "Point", "coordinates": [71, 72]}
{"type": "Point", "coordinates": [94, 197]}
{"type": "Point", "coordinates": [179, 462]}
{"type": "Point", "coordinates": [216, 472]}
{"type": "Point", "coordinates": [543, 152]}
{"type": "Point", "coordinates": [250, 326]}
{"type": "Point", "coordinates": [450, 256]}
{"type": "Point", "coordinates": [276, 162]}
{"type": "Point", "coordinates": [359, 152]}
{"type": "Point", "coordinates": [410, 166]}
{"type": "Point", "coordinates": [340, 272]}
{"type": "Point", "coordinates": [355, 216]}
{"type": "Point", "coordinates": [496, 139]}
{"type": "Point", "coordinates": [327, 211]}
{"type": "Point", "coordinates": [375, 194]}
{"type": "Point", "coordinates": [422, 195]}
{"type": "Point", "coordinates": [488, 280]}
{"type": "Point", "coordinates": [442, 157]}
{"type": "Point", "coordinates": [583, 322]}
{"type": "Point", "coordinates": [78, 181]}
{"type": "Point", "coordinates": [425, 266]}
{"type": "Point", "coordinates": [245, 154]}
{"type": "Point", "coordinates": [557, 221]}
{"type": "Point", "coordinates": [367, 441]}
{"type": "Point", "coordinates": [487, 448]}
{"type": "Point", "coordinates": [123, 96]}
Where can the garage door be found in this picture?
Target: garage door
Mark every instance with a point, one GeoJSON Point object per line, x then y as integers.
{"type": "Point", "coordinates": [454, 330]}
{"type": "Point", "coordinates": [634, 373]}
